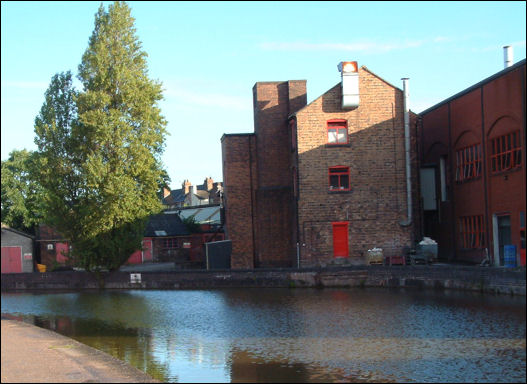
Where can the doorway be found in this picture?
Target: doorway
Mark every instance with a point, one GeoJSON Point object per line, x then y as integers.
{"type": "Point", "coordinates": [502, 235]}
{"type": "Point", "coordinates": [340, 239]}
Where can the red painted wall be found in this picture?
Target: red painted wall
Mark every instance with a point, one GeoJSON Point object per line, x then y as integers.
{"type": "Point", "coordinates": [490, 109]}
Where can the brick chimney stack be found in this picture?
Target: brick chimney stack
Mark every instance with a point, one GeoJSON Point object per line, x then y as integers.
{"type": "Point", "coordinates": [208, 183]}
{"type": "Point", "coordinates": [185, 186]}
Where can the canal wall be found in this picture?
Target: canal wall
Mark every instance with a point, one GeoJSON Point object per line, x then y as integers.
{"type": "Point", "coordinates": [481, 279]}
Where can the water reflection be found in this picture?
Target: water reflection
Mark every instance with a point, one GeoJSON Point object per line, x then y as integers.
{"type": "Point", "coordinates": [302, 335]}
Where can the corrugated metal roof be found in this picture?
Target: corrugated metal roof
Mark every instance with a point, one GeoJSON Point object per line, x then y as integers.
{"type": "Point", "coordinates": [205, 215]}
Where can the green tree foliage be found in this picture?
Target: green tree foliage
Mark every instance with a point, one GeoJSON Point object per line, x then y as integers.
{"type": "Point", "coordinates": [105, 142]}
{"type": "Point", "coordinates": [191, 224]}
{"type": "Point", "coordinates": [21, 195]}
{"type": "Point", "coordinates": [59, 164]}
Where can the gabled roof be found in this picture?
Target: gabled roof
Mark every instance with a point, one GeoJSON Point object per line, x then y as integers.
{"type": "Point", "coordinates": [7, 228]}
{"type": "Point", "coordinates": [202, 194]}
{"type": "Point", "coordinates": [165, 225]}
{"type": "Point", "coordinates": [176, 196]}
{"type": "Point", "coordinates": [338, 85]}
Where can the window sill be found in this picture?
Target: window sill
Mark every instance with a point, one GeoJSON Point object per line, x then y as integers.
{"type": "Point", "coordinates": [339, 192]}
{"type": "Point", "coordinates": [505, 171]}
{"type": "Point", "coordinates": [348, 145]}
{"type": "Point", "coordinates": [472, 179]}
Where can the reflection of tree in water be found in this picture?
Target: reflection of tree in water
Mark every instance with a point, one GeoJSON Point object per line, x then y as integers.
{"type": "Point", "coordinates": [132, 345]}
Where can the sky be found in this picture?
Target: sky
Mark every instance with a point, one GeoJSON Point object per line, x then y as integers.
{"type": "Point", "coordinates": [209, 55]}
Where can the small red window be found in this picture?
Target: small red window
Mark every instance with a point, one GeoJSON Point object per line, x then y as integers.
{"type": "Point", "coordinates": [339, 178]}
{"type": "Point", "coordinates": [505, 152]}
{"type": "Point", "coordinates": [337, 132]}
{"type": "Point", "coordinates": [468, 163]}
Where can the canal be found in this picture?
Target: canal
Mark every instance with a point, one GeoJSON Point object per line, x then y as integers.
{"type": "Point", "coordinates": [293, 335]}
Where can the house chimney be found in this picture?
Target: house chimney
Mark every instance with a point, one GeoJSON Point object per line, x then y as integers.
{"type": "Point", "coordinates": [208, 183]}
{"type": "Point", "coordinates": [507, 56]}
{"type": "Point", "coordinates": [185, 186]}
{"type": "Point", "coordinates": [349, 84]}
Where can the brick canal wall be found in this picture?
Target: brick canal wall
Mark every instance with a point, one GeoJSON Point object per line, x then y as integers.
{"type": "Point", "coordinates": [481, 279]}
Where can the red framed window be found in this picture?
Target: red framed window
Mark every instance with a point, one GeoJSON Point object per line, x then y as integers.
{"type": "Point", "coordinates": [339, 178]}
{"type": "Point", "coordinates": [505, 152]}
{"type": "Point", "coordinates": [337, 132]}
{"type": "Point", "coordinates": [468, 163]}
{"type": "Point", "coordinates": [472, 232]}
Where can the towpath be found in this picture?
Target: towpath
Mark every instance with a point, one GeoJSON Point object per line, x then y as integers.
{"type": "Point", "coordinates": [35, 355]}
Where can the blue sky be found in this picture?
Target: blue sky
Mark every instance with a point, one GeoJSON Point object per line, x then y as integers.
{"type": "Point", "coordinates": [209, 55]}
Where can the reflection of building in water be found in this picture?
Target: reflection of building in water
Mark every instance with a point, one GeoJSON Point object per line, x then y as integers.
{"type": "Point", "coordinates": [190, 358]}
{"type": "Point", "coordinates": [248, 368]}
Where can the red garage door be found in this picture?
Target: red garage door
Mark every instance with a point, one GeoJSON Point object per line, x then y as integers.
{"type": "Point", "coordinates": [11, 259]}
{"type": "Point", "coordinates": [340, 239]}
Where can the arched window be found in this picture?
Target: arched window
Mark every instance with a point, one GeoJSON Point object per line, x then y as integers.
{"type": "Point", "coordinates": [505, 152]}
{"type": "Point", "coordinates": [468, 163]}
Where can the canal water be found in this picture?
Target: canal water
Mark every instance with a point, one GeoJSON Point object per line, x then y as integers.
{"type": "Point", "coordinates": [293, 335]}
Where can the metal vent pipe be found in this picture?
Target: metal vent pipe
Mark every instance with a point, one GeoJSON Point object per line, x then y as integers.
{"type": "Point", "coordinates": [507, 56]}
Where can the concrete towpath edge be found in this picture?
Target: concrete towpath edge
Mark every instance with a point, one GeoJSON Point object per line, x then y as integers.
{"type": "Point", "coordinates": [30, 354]}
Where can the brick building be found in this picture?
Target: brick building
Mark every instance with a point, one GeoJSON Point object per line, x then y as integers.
{"type": "Point", "coordinates": [473, 169]}
{"type": "Point", "coordinates": [321, 182]}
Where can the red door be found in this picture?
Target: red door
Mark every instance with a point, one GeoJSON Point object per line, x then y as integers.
{"type": "Point", "coordinates": [61, 250]}
{"type": "Point", "coordinates": [147, 250]}
{"type": "Point", "coordinates": [340, 239]}
{"type": "Point", "coordinates": [11, 259]}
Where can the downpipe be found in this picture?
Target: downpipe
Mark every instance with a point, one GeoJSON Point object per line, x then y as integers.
{"type": "Point", "coordinates": [406, 92]}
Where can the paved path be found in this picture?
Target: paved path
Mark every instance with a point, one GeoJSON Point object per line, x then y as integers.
{"type": "Point", "coordinates": [31, 354]}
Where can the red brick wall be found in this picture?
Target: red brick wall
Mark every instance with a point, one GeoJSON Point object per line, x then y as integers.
{"type": "Point", "coordinates": [273, 103]}
{"type": "Point", "coordinates": [376, 203]}
{"type": "Point", "coordinates": [239, 183]}
{"type": "Point", "coordinates": [257, 179]}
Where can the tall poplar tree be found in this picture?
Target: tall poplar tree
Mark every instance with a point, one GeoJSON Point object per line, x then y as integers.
{"type": "Point", "coordinates": [114, 145]}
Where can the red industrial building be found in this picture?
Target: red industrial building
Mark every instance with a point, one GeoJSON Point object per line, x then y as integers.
{"type": "Point", "coordinates": [324, 182]}
{"type": "Point", "coordinates": [472, 155]}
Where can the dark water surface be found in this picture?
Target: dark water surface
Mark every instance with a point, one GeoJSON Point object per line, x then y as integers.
{"type": "Point", "coordinates": [294, 335]}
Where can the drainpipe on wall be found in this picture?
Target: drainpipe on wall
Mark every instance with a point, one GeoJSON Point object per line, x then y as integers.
{"type": "Point", "coordinates": [406, 92]}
